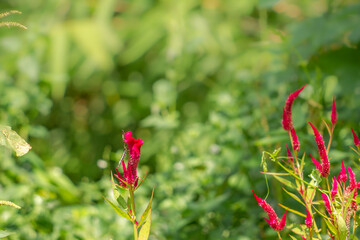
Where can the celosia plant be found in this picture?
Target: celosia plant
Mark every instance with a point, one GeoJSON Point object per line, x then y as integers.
{"type": "Point", "coordinates": [128, 183]}
{"type": "Point", "coordinates": [334, 204]}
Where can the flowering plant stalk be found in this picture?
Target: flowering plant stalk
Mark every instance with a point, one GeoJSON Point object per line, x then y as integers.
{"type": "Point", "coordinates": [324, 196]}
{"type": "Point", "coordinates": [128, 183]}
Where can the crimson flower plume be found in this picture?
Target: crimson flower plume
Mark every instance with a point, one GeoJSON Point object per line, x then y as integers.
{"type": "Point", "coordinates": [273, 220]}
{"type": "Point", "coordinates": [356, 139]}
{"type": "Point", "coordinates": [333, 113]}
{"type": "Point", "coordinates": [287, 114]}
{"type": "Point", "coordinates": [325, 165]}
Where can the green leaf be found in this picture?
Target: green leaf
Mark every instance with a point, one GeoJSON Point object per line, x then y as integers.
{"type": "Point", "coordinates": [349, 199]}
{"type": "Point", "coordinates": [294, 196]}
{"type": "Point", "coordinates": [12, 140]}
{"type": "Point", "coordinates": [331, 226]}
{"type": "Point", "coordinates": [145, 229]}
{"type": "Point", "coordinates": [315, 175]}
{"type": "Point", "coordinates": [118, 210]}
{"type": "Point", "coordinates": [341, 227]}
{"type": "Point", "coordinates": [147, 210]}
{"type": "Point", "coordinates": [118, 194]}
{"type": "Point", "coordinates": [284, 181]}
{"type": "Point", "coordinates": [292, 210]}
{"type": "Point", "coordinates": [4, 233]}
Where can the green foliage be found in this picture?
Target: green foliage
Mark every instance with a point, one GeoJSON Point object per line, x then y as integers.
{"type": "Point", "coordinates": [202, 82]}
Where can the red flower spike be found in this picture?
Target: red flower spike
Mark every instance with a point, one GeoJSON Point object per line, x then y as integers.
{"type": "Point", "coordinates": [352, 179]}
{"type": "Point", "coordinates": [322, 152]}
{"type": "Point", "coordinates": [308, 220]}
{"type": "Point", "coordinates": [342, 175]}
{"type": "Point", "coordinates": [282, 222]}
{"type": "Point", "coordinates": [333, 113]}
{"type": "Point", "coordinates": [130, 173]}
{"type": "Point", "coordinates": [295, 140]}
{"type": "Point", "coordinates": [290, 156]}
{"type": "Point", "coordinates": [356, 139]}
{"type": "Point", "coordinates": [353, 186]}
{"type": "Point", "coordinates": [287, 118]}
{"type": "Point", "coordinates": [317, 164]}
{"type": "Point", "coordinates": [303, 237]}
{"type": "Point", "coordinates": [327, 203]}
{"type": "Point", "coordinates": [334, 190]}
{"type": "Point", "coordinates": [273, 220]}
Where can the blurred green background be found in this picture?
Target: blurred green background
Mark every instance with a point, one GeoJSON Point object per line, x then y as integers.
{"type": "Point", "coordinates": [202, 82]}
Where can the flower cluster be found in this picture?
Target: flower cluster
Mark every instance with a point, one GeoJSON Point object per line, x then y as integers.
{"type": "Point", "coordinates": [338, 198]}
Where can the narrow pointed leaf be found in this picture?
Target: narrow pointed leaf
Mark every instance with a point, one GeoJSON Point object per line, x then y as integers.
{"type": "Point", "coordinates": [284, 181]}
{"type": "Point", "coordinates": [117, 194]}
{"type": "Point", "coordinates": [350, 199]}
{"type": "Point", "coordinates": [331, 227]}
{"type": "Point", "coordinates": [147, 210]}
{"type": "Point", "coordinates": [294, 196]}
{"type": "Point", "coordinates": [145, 229]}
{"type": "Point", "coordinates": [118, 210]}
{"type": "Point", "coordinates": [292, 210]}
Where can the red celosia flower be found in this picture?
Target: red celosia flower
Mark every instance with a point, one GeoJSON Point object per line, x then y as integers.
{"type": "Point", "coordinates": [333, 113]}
{"type": "Point", "coordinates": [334, 189]}
{"type": "Point", "coordinates": [352, 179]}
{"type": "Point", "coordinates": [356, 139]}
{"type": "Point", "coordinates": [303, 237]}
{"type": "Point", "coordinates": [287, 118]}
{"type": "Point", "coordinates": [325, 165]}
{"type": "Point", "coordinates": [273, 220]}
{"type": "Point", "coordinates": [353, 186]}
{"type": "Point", "coordinates": [317, 164]}
{"type": "Point", "coordinates": [308, 220]}
{"type": "Point", "coordinates": [295, 140]}
{"type": "Point", "coordinates": [290, 156]}
{"type": "Point", "coordinates": [130, 173]}
{"type": "Point", "coordinates": [327, 203]}
{"type": "Point", "coordinates": [342, 175]}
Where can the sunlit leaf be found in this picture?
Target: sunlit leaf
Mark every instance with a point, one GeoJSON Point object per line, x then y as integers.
{"type": "Point", "coordinates": [4, 233]}
{"type": "Point", "coordinates": [14, 141]}
{"type": "Point", "coordinates": [294, 196]}
{"type": "Point", "coordinates": [145, 229]}
{"type": "Point", "coordinates": [285, 182]}
{"type": "Point", "coordinates": [118, 210]}
{"type": "Point", "coordinates": [292, 210]}
{"type": "Point", "coordinates": [147, 210]}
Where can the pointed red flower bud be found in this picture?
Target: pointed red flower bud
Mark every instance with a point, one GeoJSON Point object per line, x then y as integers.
{"type": "Point", "coordinates": [326, 203]}
{"type": "Point", "coordinates": [325, 165]}
{"type": "Point", "coordinates": [295, 140]}
{"type": "Point", "coordinates": [342, 175]}
{"type": "Point", "coordinates": [334, 190]}
{"type": "Point", "coordinates": [290, 156]}
{"type": "Point", "coordinates": [303, 237]}
{"type": "Point", "coordinates": [287, 118]}
{"type": "Point", "coordinates": [282, 222]}
{"type": "Point", "coordinates": [352, 179]}
{"type": "Point", "coordinates": [273, 220]}
{"type": "Point", "coordinates": [308, 220]}
{"type": "Point", "coordinates": [317, 164]}
{"type": "Point", "coordinates": [333, 113]}
{"type": "Point", "coordinates": [356, 139]}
